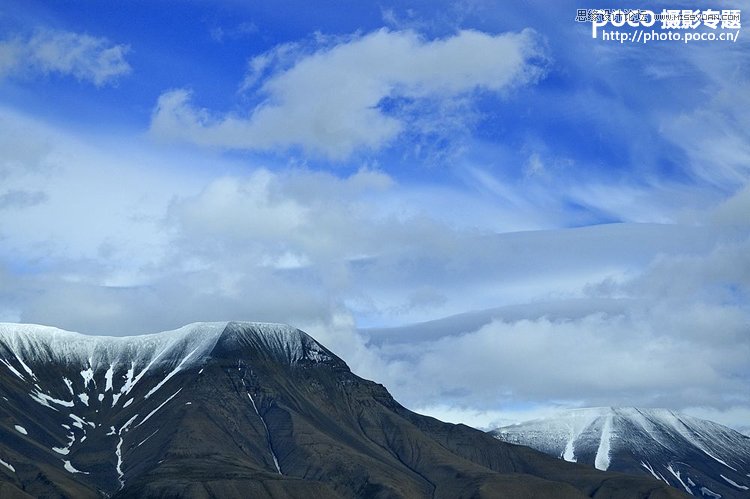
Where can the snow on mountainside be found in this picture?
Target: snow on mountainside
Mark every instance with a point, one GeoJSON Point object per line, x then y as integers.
{"type": "Point", "coordinates": [237, 410]}
{"type": "Point", "coordinates": [87, 384]}
{"type": "Point", "coordinates": [698, 456]}
{"type": "Point", "coordinates": [189, 344]}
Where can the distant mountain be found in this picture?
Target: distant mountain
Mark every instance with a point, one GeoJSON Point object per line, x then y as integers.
{"type": "Point", "coordinates": [238, 410]}
{"type": "Point", "coordinates": [697, 456]}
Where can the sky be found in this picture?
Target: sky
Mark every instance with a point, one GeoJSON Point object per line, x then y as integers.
{"type": "Point", "coordinates": [475, 203]}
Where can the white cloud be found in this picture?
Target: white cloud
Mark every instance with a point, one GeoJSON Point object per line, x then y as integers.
{"type": "Point", "coordinates": [652, 323]}
{"type": "Point", "coordinates": [125, 242]}
{"type": "Point", "coordinates": [672, 333]}
{"type": "Point", "coordinates": [71, 199]}
{"type": "Point", "coordinates": [329, 102]}
{"type": "Point", "coordinates": [679, 356]}
{"type": "Point", "coordinates": [602, 359]}
{"type": "Point", "coordinates": [63, 52]}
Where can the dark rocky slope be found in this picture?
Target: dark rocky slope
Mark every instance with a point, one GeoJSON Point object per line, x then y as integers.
{"type": "Point", "coordinates": [244, 410]}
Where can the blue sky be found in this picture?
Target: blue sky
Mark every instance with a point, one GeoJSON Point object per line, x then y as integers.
{"type": "Point", "coordinates": [356, 169]}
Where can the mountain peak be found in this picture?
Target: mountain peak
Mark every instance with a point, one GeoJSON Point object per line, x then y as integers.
{"type": "Point", "coordinates": [189, 345]}
{"type": "Point", "coordinates": [279, 342]}
{"type": "Point", "coordinates": [30, 343]}
{"type": "Point", "coordinates": [240, 409]}
{"type": "Point", "coordinates": [687, 452]}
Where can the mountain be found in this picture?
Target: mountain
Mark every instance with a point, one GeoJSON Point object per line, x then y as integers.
{"type": "Point", "coordinates": [236, 410]}
{"type": "Point", "coordinates": [698, 456]}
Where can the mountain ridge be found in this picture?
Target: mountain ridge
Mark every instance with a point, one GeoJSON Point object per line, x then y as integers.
{"type": "Point", "coordinates": [244, 409]}
{"type": "Point", "coordinates": [692, 454]}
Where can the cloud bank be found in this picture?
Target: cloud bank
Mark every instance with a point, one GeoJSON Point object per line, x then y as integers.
{"type": "Point", "coordinates": [593, 236]}
{"type": "Point", "coordinates": [630, 313]}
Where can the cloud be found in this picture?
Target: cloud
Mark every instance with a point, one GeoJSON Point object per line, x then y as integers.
{"type": "Point", "coordinates": [733, 211]}
{"type": "Point", "coordinates": [629, 313]}
{"type": "Point", "coordinates": [335, 100]}
{"type": "Point", "coordinates": [68, 199]}
{"type": "Point", "coordinates": [117, 243]}
{"type": "Point", "coordinates": [241, 30]}
{"type": "Point", "coordinates": [715, 135]}
{"type": "Point", "coordinates": [600, 359]}
{"type": "Point", "coordinates": [670, 332]}
{"type": "Point", "coordinates": [21, 199]}
{"type": "Point", "coordinates": [361, 244]}
{"type": "Point", "coordinates": [49, 51]}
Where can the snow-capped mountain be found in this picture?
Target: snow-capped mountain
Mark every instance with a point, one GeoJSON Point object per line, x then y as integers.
{"type": "Point", "coordinates": [238, 410]}
{"type": "Point", "coordinates": [698, 456]}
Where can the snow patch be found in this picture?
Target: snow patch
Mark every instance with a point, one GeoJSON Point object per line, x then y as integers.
{"type": "Point", "coordinates": [23, 364]}
{"type": "Point", "coordinates": [171, 374]}
{"type": "Point", "coordinates": [650, 469]}
{"type": "Point", "coordinates": [126, 387]}
{"type": "Point", "coordinates": [268, 435]}
{"type": "Point", "coordinates": [69, 384]}
{"type": "Point", "coordinates": [108, 377]}
{"type": "Point", "coordinates": [118, 451]}
{"type": "Point", "coordinates": [79, 421]}
{"type": "Point", "coordinates": [733, 483]}
{"type": "Point", "coordinates": [13, 369]}
{"type": "Point", "coordinates": [708, 492]}
{"type": "Point", "coordinates": [676, 474]}
{"type": "Point", "coordinates": [88, 376]}
{"type": "Point", "coordinates": [601, 462]}
{"type": "Point", "coordinates": [84, 398]}
{"type": "Point", "coordinates": [577, 426]}
{"type": "Point", "coordinates": [65, 450]}
{"type": "Point", "coordinates": [144, 440]}
{"type": "Point", "coordinates": [8, 465]}
{"type": "Point", "coordinates": [160, 406]}
{"type": "Point", "coordinates": [569, 452]}
{"type": "Point", "coordinates": [45, 399]}
{"type": "Point", "coordinates": [69, 467]}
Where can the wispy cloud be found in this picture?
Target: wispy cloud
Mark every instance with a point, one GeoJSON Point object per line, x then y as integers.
{"type": "Point", "coordinates": [241, 30]}
{"type": "Point", "coordinates": [49, 51]}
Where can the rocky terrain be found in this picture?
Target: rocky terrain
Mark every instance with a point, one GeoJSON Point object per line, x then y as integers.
{"type": "Point", "coordinates": [236, 410]}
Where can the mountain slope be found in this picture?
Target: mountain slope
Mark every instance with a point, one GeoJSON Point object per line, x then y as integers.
{"type": "Point", "coordinates": [694, 455]}
{"type": "Point", "coordinates": [242, 410]}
